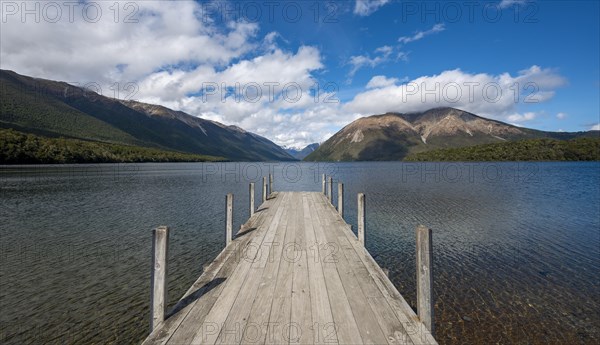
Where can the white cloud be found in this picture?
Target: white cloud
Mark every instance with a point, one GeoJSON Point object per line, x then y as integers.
{"type": "Point", "coordinates": [171, 52]}
{"type": "Point", "coordinates": [367, 7]}
{"type": "Point", "coordinates": [561, 116]}
{"type": "Point", "coordinates": [488, 95]}
{"type": "Point", "coordinates": [509, 3]}
{"type": "Point", "coordinates": [421, 34]}
{"type": "Point", "coordinates": [166, 34]}
{"type": "Point", "coordinates": [516, 118]}
{"type": "Point", "coordinates": [359, 61]}
{"type": "Point", "coordinates": [379, 81]}
{"type": "Point", "coordinates": [595, 127]}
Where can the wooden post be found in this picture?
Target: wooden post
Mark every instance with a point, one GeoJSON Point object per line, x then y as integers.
{"type": "Point", "coordinates": [270, 184]}
{"type": "Point", "coordinates": [361, 218]}
{"type": "Point", "coordinates": [252, 199]}
{"type": "Point", "coordinates": [323, 184]}
{"type": "Point", "coordinates": [158, 303]}
{"type": "Point", "coordinates": [341, 199]}
{"type": "Point", "coordinates": [425, 277]}
{"type": "Point", "coordinates": [264, 189]}
{"type": "Point", "coordinates": [329, 189]}
{"type": "Point", "coordinates": [229, 222]}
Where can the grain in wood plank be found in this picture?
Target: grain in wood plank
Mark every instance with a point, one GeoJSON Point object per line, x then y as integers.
{"type": "Point", "coordinates": [346, 326]}
{"type": "Point", "coordinates": [324, 330]}
{"type": "Point", "coordinates": [369, 328]}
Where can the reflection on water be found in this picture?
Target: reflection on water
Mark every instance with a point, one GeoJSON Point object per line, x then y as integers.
{"type": "Point", "coordinates": [516, 245]}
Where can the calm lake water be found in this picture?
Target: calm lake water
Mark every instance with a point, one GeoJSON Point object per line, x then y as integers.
{"type": "Point", "coordinates": [516, 245]}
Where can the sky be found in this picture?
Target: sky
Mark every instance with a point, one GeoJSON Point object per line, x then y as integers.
{"type": "Point", "coordinates": [298, 71]}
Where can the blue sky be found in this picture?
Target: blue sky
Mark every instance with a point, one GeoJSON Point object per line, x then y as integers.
{"type": "Point", "coordinates": [374, 56]}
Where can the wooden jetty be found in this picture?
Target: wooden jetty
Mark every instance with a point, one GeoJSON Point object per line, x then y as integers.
{"type": "Point", "coordinates": [295, 273]}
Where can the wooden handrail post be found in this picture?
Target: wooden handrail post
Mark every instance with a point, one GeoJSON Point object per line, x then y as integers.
{"type": "Point", "coordinates": [229, 222]}
{"type": "Point", "coordinates": [425, 277]}
{"type": "Point", "coordinates": [361, 218]}
{"type": "Point", "coordinates": [341, 199]}
{"type": "Point", "coordinates": [329, 190]}
{"type": "Point", "coordinates": [323, 184]}
{"type": "Point", "coordinates": [252, 209]}
{"type": "Point", "coordinates": [270, 184]}
{"type": "Point", "coordinates": [264, 189]}
{"type": "Point", "coordinates": [158, 302]}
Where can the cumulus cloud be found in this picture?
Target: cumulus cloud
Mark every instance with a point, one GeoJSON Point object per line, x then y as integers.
{"type": "Point", "coordinates": [495, 96]}
{"type": "Point", "coordinates": [421, 34]}
{"type": "Point", "coordinates": [116, 45]}
{"type": "Point", "coordinates": [595, 127]}
{"type": "Point", "coordinates": [509, 3]}
{"type": "Point", "coordinates": [357, 62]}
{"type": "Point", "coordinates": [517, 118]}
{"type": "Point", "coordinates": [367, 7]}
{"type": "Point", "coordinates": [183, 60]}
{"type": "Point", "coordinates": [379, 81]}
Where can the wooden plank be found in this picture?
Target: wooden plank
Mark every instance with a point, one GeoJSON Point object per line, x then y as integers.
{"type": "Point", "coordinates": [324, 330]}
{"type": "Point", "coordinates": [392, 328]}
{"type": "Point", "coordinates": [390, 325]}
{"type": "Point", "coordinates": [160, 253]}
{"type": "Point", "coordinates": [302, 291]}
{"type": "Point", "coordinates": [281, 309]}
{"type": "Point", "coordinates": [187, 327]}
{"type": "Point", "coordinates": [301, 318]}
{"type": "Point", "coordinates": [346, 326]}
{"type": "Point", "coordinates": [256, 329]}
{"type": "Point", "coordinates": [202, 284]}
{"type": "Point", "coordinates": [417, 332]}
{"type": "Point", "coordinates": [233, 327]}
{"type": "Point", "coordinates": [366, 320]}
{"type": "Point", "coordinates": [221, 308]}
{"type": "Point", "coordinates": [425, 277]}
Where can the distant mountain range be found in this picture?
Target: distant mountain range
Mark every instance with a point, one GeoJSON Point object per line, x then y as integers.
{"type": "Point", "coordinates": [301, 154]}
{"type": "Point", "coordinates": [393, 136]}
{"type": "Point", "coordinates": [136, 131]}
{"type": "Point", "coordinates": [57, 109]}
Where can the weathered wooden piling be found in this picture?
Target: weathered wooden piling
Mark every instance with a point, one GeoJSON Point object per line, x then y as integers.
{"type": "Point", "coordinates": [270, 184]}
{"type": "Point", "coordinates": [341, 199]}
{"type": "Point", "coordinates": [229, 222]}
{"type": "Point", "coordinates": [252, 208]}
{"type": "Point", "coordinates": [158, 303]}
{"type": "Point", "coordinates": [330, 190]}
{"type": "Point", "coordinates": [425, 277]}
{"type": "Point", "coordinates": [323, 184]}
{"type": "Point", "coordinates": [264, 189]}
{"type": "Point", "coordinates": [361, 218]}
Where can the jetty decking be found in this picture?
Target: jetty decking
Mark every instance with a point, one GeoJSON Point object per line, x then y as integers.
{"type": "Point", "coordinates": [294, 274]}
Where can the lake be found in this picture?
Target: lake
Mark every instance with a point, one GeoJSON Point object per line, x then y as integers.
{"type": "Point", "coordinates": [516, 245]}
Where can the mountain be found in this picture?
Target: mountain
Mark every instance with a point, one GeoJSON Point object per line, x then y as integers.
{"type": "Point", "coordinates": [301, 154]}
{"type": "Point", "coordinates": [393, 136]}
{"type": "Point", "coordinates": [57, 109]}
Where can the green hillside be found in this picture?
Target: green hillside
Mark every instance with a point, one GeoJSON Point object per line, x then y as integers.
{"type": "Point", "coordinates": [57, 109]}
{"type": "Point", "coordinates": [21, 148]}
{"type": "Point", "coordinates": [580, 149]}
